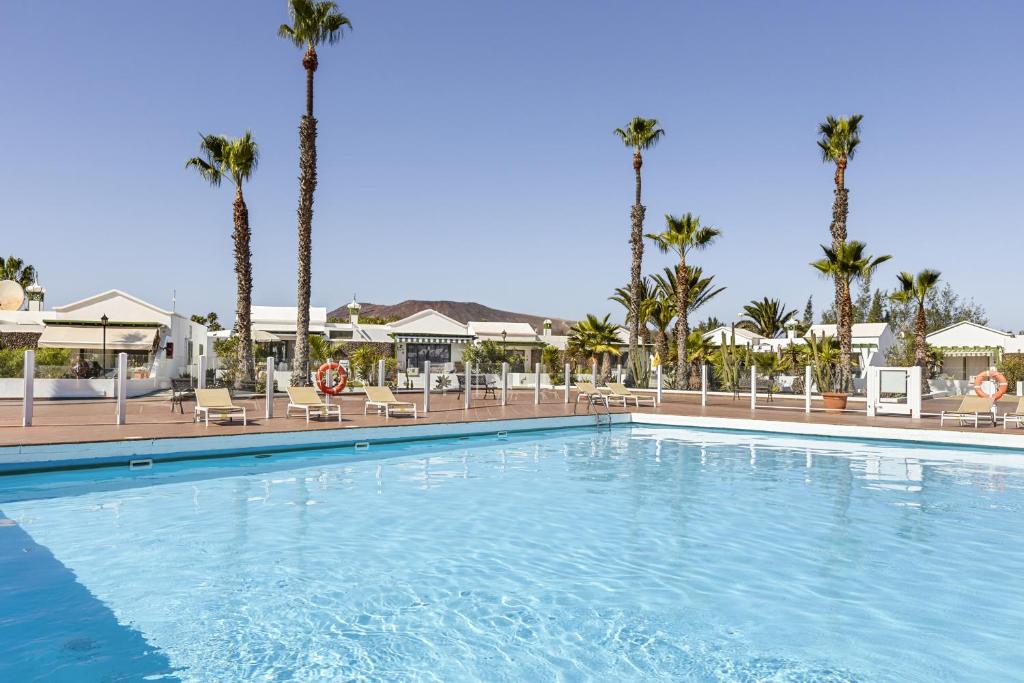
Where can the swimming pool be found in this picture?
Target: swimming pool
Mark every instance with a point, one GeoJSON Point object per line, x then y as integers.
{"type": "Point", "coordinates": [631, 553]}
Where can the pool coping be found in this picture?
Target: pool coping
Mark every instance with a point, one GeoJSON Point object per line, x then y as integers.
{"type": "Point", "coordinates": [41, 457]}
{"type": "Point", "coordinates": [38, 457]}
{"type": "Point", "coordinates": [1002, 442]}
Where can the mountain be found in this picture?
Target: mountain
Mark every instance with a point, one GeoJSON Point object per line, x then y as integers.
{"type": "Point", "coordinates": [463, 311]}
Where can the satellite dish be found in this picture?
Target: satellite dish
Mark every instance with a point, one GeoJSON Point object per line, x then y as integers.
{"type": "Point", "coordinates": [12, 296]}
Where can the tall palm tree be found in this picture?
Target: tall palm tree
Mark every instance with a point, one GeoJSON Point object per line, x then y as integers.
{"type": "Point", "coordinates": [314, 22]}
{"type": "Point", "coordinates": [838, 139]}
{"type": "Point", "coordinates": [683, 235]}
{"type": "Point", "coordinates": [915, 288]}
{"type": "Point", "coordinates": [640, 134]}
{"type": "Point", "coordinates": [235, 160]}
{"type": "Point", "coordinates": [595, 338]}
{"type": "Point", "coordinates": [767, 317]}
{"type": "Point", "coordinates": [848, 263]}
{"type": "Point", "coordinates": [13, 268]}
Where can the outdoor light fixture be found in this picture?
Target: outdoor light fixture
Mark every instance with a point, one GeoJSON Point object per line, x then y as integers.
{"type": "Point", "coordinates": [103, 358]}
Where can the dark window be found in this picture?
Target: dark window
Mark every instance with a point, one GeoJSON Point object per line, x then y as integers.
{"type": "Point", "coordinates": [415, 354]}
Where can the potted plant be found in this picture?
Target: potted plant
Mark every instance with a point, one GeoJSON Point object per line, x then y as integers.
{"type": "Point", "coordinates": [823, 354]}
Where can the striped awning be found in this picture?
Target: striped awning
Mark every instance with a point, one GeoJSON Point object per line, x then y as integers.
{"type": "Point", "coordinates": [91, 337]}
{"type": "Point", "coordinates": [432, 339]}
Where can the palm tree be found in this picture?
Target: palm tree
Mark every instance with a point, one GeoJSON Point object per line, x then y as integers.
{"type": "Point", "coordinates": [13, 268]}
{"type": "Point", "coordinates": [660, 311]}
{"type": "Point", "coordinates": [595, 337]}
{"type": "Point", "coordinates": [640, 134]}
{"type": "Point", "coordinates": [314, 22]}
{"type": "Point", "coordinates": [699, 287]}
{"type": "Point", "coordinates": [915, 288]}
{"type": "Point", "coordinates": [838, 138]}
{"type": "Point", "coordinates": [767, 317]}
{"type": "Point", "coordinates": [683, 235]}
{"type": "Point", "coordinates": [844, 265]}
{"type": "Point", "coordinates": [623, 296]}
{"type": "Point", "coordinates": [699, 350]}
{"type": "Point", "coordinates": [235, 160]}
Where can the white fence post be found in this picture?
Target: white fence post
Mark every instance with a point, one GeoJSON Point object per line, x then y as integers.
{"type": "Point", "coordinates": [468, 386]}
{"type": "Point", "coordinates": [703, 384]}
{"type": "Point", "coordinates": [1020, 387]}
{"type": "Point", "coordinates": [30, 385]}
{"type": "Point", "coordinates": [807, 388]}
{"type": "Point", "coordinates": [914, 392]}
{"type": "Point", "coordinates": [618, 373]}
{"type": "Point", "coordinates": [504, 384]}
{"type": "Point", "coordinates": [536, 384]}
{"type": "Point", "coordinates": [201, 380]}
{"type": "Point", "coordinates": [753, 387]}
{"type": "Point", "coordinates": [122, 387]}
{"type": "Point", "coordinates": [660, 387]}
{"type": "Point", "coordinates": [426, 386]}
{"type": "Point", "coordinates": [380, 372]}
{"type": "Point", "coordinates": [593, 372]}
{"type": "Point", "coordinates": [568, 382]}
{"type": "Point", "coordinates": [269, 388]}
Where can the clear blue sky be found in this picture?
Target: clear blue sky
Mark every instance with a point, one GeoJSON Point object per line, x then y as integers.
{"type": "Point", "coordinates": [466, 149]}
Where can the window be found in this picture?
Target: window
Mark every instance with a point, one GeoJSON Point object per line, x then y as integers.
{"type": "Point", "coordinates": [415, 354]}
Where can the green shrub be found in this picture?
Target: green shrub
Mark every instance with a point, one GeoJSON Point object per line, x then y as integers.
{"type": "Point", "coordinates": [1012, 366]}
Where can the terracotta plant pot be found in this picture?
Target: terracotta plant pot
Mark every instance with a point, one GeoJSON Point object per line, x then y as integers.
{"type": "Point", "coordinates": [834, 400]}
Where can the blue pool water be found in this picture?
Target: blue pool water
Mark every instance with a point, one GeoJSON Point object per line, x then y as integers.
{"type": "Point", "coordinates": [614, 555]}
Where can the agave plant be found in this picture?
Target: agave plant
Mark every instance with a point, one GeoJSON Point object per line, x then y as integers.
{"type": "Point", "coordinates": [823, 355]}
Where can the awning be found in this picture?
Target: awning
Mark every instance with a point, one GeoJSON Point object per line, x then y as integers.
{"type": "Point", "coordinates": [91, 337]}
{"type": "Point", "coordinates": [264, 337]}
{"type": "Point", "coordinates": [431, 339]}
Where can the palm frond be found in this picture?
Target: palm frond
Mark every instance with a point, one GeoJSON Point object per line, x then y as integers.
{"type": "Point", "coordinates": [314, 22]}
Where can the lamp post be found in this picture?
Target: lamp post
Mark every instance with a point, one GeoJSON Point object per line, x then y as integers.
{"type": "Point", "coordinates": [103, 359]}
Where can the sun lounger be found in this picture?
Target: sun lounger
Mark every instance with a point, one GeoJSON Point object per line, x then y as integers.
{"type": "Point", "coordinates": [620, 392]}
{"type": "Point", "coordinates": [216, 401]}
{"type": "Point", "coordinates": [591, 393]}
{"type": "Point", "coordinates": [1016, 416]}
{"type": "Point", "coordinates": [381, 398]}
{"type": "Point", "coordinates": [306, 400]}
{"type": "Point", "coordinates": [973, 409]}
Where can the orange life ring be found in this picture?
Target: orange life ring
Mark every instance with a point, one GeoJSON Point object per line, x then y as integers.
{"type": "Point", "coordinates": [1002, 386]}
{"type": "Point", "coordinates": [321, 378]}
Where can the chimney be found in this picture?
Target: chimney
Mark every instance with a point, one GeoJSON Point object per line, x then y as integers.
{"type": "Point", "coordinates": [791, 325]}
{"type": "Point", "coordinates": [353, 311]}
{"type": "Point", "coordinates": [36, 294]}
{"type": "Point", "coordinates": [547, 328]}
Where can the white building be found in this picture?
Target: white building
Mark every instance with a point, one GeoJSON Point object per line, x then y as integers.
{"type": "Point", "coordinates": [968, 348]}
{"type": "Point", "coordinates": [870, 341]}
{"type": "Point", "coordinates": [160, 344]}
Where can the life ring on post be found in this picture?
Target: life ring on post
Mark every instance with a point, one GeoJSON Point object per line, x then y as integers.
{"type": "Point", "coordinates": [993, 377]}
{"type": "Point", "coordinates": [323, 373]}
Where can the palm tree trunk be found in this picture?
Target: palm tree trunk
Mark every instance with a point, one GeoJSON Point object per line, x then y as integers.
{"type": "Point", "coordinates": [606, 367]}
{"type": "Point", "coordinates": [920, 343]}
{"type": "Point", "coordinates": [636, 242]}
{"type": "Point", "coordinates": [661, 345]}
{"type": "Point", "coordinates": [307, 185]}
{"type": "Point", "coordinates": [682, 324]}
{"type": "Point", "coordinates": [840, 212]}
{"type": "Point", "coordinates": [845, 328]}
{"type": "Point", "coordinates": [246, 370]}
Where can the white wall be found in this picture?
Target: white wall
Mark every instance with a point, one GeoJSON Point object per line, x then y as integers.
{"type": "Point", "coordinates": [79, 388]}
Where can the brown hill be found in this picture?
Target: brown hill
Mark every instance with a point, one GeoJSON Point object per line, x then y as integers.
{"type": "Point", "coordinates": [463, 311]}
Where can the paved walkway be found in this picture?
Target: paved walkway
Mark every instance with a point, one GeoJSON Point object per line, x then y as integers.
{"type": "Point", "coordinates": [152, 418]}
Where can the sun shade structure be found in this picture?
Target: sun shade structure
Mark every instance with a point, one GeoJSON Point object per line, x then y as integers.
{"type": "Point", "coordinates": [91, 337]}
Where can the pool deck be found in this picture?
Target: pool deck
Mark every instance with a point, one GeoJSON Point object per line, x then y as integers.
{"type": "Point", "coordinates": [79, 421]}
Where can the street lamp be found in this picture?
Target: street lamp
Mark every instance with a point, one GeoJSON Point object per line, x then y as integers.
{"type": "Point", "coordinates": [103, 358]}
{"type": "Point", "coordinates": [504, 335]}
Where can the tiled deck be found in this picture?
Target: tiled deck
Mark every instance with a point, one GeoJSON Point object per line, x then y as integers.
{"type": "Point", "coordinates": [151, 417]}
